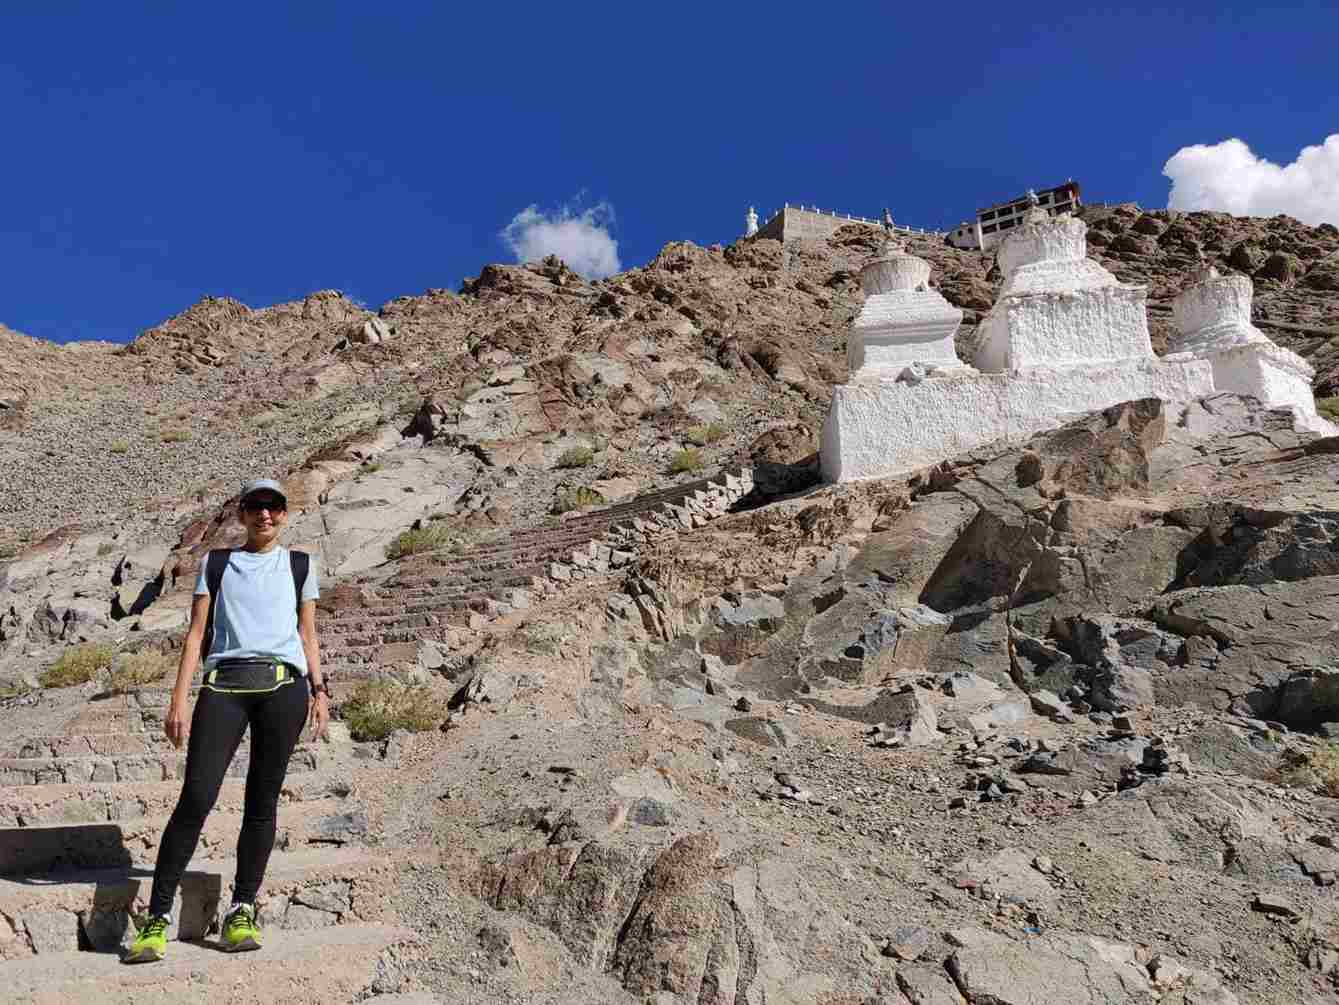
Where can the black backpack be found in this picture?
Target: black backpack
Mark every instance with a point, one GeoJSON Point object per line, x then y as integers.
{"type": "Point", "coordinates": [216, 563]}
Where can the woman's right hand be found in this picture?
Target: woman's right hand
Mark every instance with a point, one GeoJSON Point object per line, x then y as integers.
{"type": "Point", "coordinates": [176, 723]}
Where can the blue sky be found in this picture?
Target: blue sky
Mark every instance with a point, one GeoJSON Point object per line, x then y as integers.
{"type": "Point", "coordinates": [160, 152]}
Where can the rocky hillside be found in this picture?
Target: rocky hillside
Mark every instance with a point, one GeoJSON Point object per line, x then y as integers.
{"type": "Point", "coordinates": [1049, 722]}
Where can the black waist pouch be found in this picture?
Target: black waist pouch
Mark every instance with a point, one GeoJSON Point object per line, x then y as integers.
{"type": "Point", "coordinates": [248, 676]}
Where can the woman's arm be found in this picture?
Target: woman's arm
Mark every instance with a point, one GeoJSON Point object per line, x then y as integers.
{"type": "Point", "coordinates": [320, 706]}
{"type": "Point", "coordinates": [176, 724]}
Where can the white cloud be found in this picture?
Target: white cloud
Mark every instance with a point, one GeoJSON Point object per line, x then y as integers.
{"type": "Point", "coordinates": [579, 238]}
{"type": "Point", "coordinates": [1229, 178]}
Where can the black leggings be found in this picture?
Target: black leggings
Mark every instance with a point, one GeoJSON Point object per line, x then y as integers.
{"type": "Point", "coordinates": [217, 725]}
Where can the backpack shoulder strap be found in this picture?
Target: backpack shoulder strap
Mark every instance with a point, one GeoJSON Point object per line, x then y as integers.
{"type": "Point", "coordinates": [300, 564]}
{"type": "Point", "coordinates": [216, 564]}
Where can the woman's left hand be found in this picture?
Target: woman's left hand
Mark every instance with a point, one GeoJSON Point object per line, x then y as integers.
{"type": "Point", "coordinates": [318, 714]}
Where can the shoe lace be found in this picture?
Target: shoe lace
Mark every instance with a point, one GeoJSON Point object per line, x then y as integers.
{"type": "Point", "coordinates": [240, 918]}
{"type": "Point", "coordinates": [153, 927]}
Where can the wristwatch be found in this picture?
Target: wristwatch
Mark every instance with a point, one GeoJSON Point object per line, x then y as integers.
{"type": "Point", "coordinates": [321, 688]}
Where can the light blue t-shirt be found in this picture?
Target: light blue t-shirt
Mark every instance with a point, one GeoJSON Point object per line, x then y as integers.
{"type": "Point", "coordinates": [256, 613]}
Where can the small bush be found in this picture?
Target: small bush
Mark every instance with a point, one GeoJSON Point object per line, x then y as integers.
{"type": "Point", "coordinates": [700, 436]}
{"type": "Point", "coordinates": [413, 541]}
{"type": "Point", "coordinates": [686, 460]}
{"type": "Point", "coordinates": [14, 689]}
{"type": "Point", "coordinates": [105, 549]}
{"type": "Point", "coordinates": [1317, 770]}
{"type": "Point", "coordinates": [8, 551]}
{"type": "Point", "coordinates": [576, 457]}
{"type": "Point", "coordinates": [175, 436]}
{"type": "Point", "coordinates": [379, 707]}
{"type": "Point", "coordinates": [138, 669]}
{"type": "Point", "coordinates": [370, 468]}
{"type": "Point", "coordinates": [577, 498]}
{"type": "Point", "coordinates": [78, 665]}
{"type": "Point", "coordinates": [1328, 408]}
{"type": "Point", "coordinates": [119, 446]}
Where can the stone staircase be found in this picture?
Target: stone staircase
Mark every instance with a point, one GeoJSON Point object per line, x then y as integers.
{"type": "Point", "coordinates": [432, 593]}
{"type": "Point", "coordinates": [82, 813]}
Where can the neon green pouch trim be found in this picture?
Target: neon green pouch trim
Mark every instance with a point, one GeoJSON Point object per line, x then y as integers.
{"type": "Point", "coordinates": [248, 676]}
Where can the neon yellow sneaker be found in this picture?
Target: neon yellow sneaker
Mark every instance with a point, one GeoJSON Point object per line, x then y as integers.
{"type": "Point", "coordinates": [240, 931]}
{"type": "Point", "coordinates": [150, 943]}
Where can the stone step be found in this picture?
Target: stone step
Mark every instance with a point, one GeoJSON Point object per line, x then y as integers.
{"type": "Point", "coordinates": [315, 966]}
{"type": "Point", "coordinates": [19, 771]}
{"type": "Point", "coordinates": [60, 847]}
{"type": "Point", "coordinates": [51, 915]}
{"type": "Point", "coordinates": [118, 802]}
{"type": "Point", "coordinates": [96, 745]}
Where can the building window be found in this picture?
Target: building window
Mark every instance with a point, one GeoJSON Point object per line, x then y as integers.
{"type": "Point", "coordinates": [989, 229]}
{"type": "Point", "coordinates": [988, 215]}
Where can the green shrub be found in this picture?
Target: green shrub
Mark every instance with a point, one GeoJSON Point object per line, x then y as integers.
{"type": "Point", "coordinates": [379, 707]}
{"type": "Point", "coordinates": [370, 468]}
{"type": "Point", "coordinates": [576, 457]}
{"type": "Point", "coordinates": [137, 669]}
{"type": "Point", "coordinates": [700, 436]}
{"type": "Point", "coordinates": [688, 459]}
{"type": "Point", "coordinates": [105, 549]}
{"type": "Point", "coordinates": [175, 435]}
{"type": "Point", "coordinates": [1329, 408]}
{"type": "Point", "coordinates": [119, 446]}
{"type": "Point", "coordinates": [577, 498]}
{"type": "Point", "coordinates": [419, 539]}
{"type": "Point", "coordinates": [78, 665]}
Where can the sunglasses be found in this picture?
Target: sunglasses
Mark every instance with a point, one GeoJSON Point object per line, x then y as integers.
{"type": "Point", "coordinates": [256, 505]}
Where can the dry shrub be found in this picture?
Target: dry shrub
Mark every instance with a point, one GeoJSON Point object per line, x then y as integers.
{"type": "Point", "coordinates": [419, 539]}
{"type": "Point", "coordinates": [78, 665]}
{"type": "Point", "coordinates": [577, 498]}
{"type": "Point", "coordinates": [687, 460]}
{"type": "Point", "coordinates": [1316, 769]}
{"type": "Point", "coordinates": [701, 436]}
{"type": "Point", "coordinates": [379, 707]}
{"type": "Point", "coordinates": [576, 457]}
{"type": "Point", "coordinates": [138, 669]}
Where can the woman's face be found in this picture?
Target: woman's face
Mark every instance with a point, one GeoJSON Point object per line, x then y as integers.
{"type": "Point", "coordinates": [263, 516]}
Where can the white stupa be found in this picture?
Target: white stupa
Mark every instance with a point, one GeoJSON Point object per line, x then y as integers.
{"type": "Point", "coordinates": [1064, 338]}
{"type": "Point", "coordinates": [750, 222]}
{"type": "Point", "coordinates": [1213, 323]}
{"type": "Point", "coordinates": [903, 323]}
{"type": "Point", "coordinates": [1058, 307]}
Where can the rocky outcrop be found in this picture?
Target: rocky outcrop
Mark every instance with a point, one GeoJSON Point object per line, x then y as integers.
{"type": "Point", "coordinates": [684, 922]}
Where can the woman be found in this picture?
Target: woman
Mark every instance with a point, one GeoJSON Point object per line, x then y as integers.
{"type": "Point", "coordinates": [263, 670]}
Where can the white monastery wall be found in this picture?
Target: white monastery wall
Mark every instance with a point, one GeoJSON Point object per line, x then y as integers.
{"type": "Point", "coordinates": [885, 428]}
